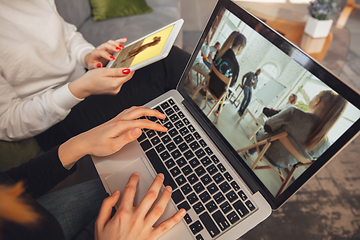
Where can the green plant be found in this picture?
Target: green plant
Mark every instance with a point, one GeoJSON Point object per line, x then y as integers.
{"type": "Point", "coordinates": [324, 9]}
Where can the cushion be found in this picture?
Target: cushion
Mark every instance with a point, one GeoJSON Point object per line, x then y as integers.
{"type": "Point", "coordinates": [105, 9]}
{"type": "Point", "coordinates": [13, 154]}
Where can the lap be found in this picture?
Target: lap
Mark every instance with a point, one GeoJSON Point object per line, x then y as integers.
{"type": "Point", "coordinates": [146, 84]}
{"type": "Point", "coordinates": [75, 207]}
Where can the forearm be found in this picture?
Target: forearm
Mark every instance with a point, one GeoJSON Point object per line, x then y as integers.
{"type": "Point", "coordinates": [72, 150]}
{"type": "Point", "coordinates": [23, 118]}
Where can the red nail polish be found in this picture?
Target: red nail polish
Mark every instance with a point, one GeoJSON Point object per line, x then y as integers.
{"type": "Point", "coordinates": [126, 71]}
{"type": "Point", "coordinates": [117, 48]}
{"type": "Point", "coordinates": [112, 58]}
{"type": "Point", "coordinates": [121, 46]}
{"type": "Point", "coordinates": [98, 65]}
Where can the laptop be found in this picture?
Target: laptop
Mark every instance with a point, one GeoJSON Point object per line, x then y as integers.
{"type": "Point", "coordinates": [224, 195]}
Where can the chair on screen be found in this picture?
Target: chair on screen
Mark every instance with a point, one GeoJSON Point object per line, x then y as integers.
{"type": "Point", "coordinates": [282, 137]}
{"type": "Point", "coordinates": [205, 85]}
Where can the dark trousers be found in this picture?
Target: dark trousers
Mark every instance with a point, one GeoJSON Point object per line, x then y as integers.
{"type": "Point", "coordinates": [146, 84]}
{"type": "Point", "coordinates": [246, 101]}
{"type": "Point", "coordinates": [270, 112]}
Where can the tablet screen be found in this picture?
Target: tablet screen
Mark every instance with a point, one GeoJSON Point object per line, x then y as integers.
{"type": "Point", "coordinates": [143, 50]}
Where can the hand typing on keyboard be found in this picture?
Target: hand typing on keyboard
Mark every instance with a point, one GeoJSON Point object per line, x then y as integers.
{"type": "Point", "coordinates": [135, 223]}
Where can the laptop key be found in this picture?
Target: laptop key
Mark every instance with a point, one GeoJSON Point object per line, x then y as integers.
{"type": "Point", "coordinates": [206, 179]}
{"type": "Point", "coordinates": [169, 111]}
{"type": "Point", "coordinates": [198, 187]}
{"type": "Point", "coordinates": [228, 176]}
{"type": "Point", "coordinates": [226, 207]}
{"type": "Point", "coordinates": [164, 155]}
{"type": "Point", "coordinates": [189, 138]}
{"type": "Point", "coordinates": [177, 196]}
{"type": "Point", "coordinates": [159, 148]}
{"type": "Point", "coordinates": [170, 146]}
{"type": "Point", "coordinates": [178, 139]}
{"type": "Point", "coordinates": [187, 170]}
{"type": "Point", "coordinates": [165, 105]}
{"type": "Point", "coordinates": [231, 196]}
{"type": "Point", "coordinates": [200, 171]}
{"type": "Point", "coordinates": [160, 168]}
{"type": "Point", "coordinates": [194, 145]}
{"type": "Point", "coordinates": [221, 220]}
{"type": "Point", "coordinates": [192, 198]}
{"type": "Point", "coordinates": [233, 217]}
{"type": "Point", "coordinates": [176, 154]}
{"type": "Point", "coordinates": [179, 124]}
{"type": "Point", "coordinates": [204, 197]}
{"type": "Point", "coordinates": [180, 180]}
{"type": "Point", "coordinates": [173, 132]}
{"type": "Point", "coordinates": [174, 118]}
{"type": "Point", "coordinates": [212, 188]}
{"type": "Point", "coordinates": [194, 163]}
{"type": "Point", "coordinates": [249, 204]}
{"type": "Point", "coordinates": [219, 198]}
{"type": "Point", "coordinates": [166, 139]}
{"type": "Point", "coordinates": [185, 205]}
{"type": "Point", "coordinates": [196, 227]}
{"type": "Point", "coordinates": [215, 159]}
{"type": "Point", "coordinates": [187, 218]}
{"type": "Point", "coordinates": [200, 153]}
{"type": "Point", "coordinates": [211, 206]}
{"type": "Point", "coordinates": [197, 135]}
{"type": "Point", "coordinates": [208, 151]}
{"type": "Point", "coordinates": [202, 143]}
{"type": "Point", "coordinates": [181, 162]}
{"type": "Point", "coordinates": [240, 208]}
{"type": "Point", "coordinates": [224, 187]}
{"type": "Point", "coordinates": [235, 186]}
{"type": "Point", "coordinates": [218, 178]}
{"type": "Point", "coordinates": [186, 189]}
{"type": "Point", "coordinates": [198, 207]}
{"type": "Point", "coordinates": [183, 147]}
{"type": "Point", "coordinates": [168, 125]}
{"type": "Point", "coordinates": [170, 163]}
{"type": "Point", "coordinates": [189, 154]}
{"type": "Point", "coordinates": [192, 179]}
{"type": "Point", "coordinates": [199, 237]}
{"type": "Point", "coordinates": [171, 101]}
{"type": "Point", "coordinates": [183, 131]}
{"type": "Point", "coordinates": [212, 169]}
{"type": "Point", "coordinates": [150, 133]}
{"type": "Point", "coordinates": [155, 141]}
{"type": "Point", "coordinates": [209, 224]}
{"type": "Point", "coordinates": [221, 167]}
{"type": "Point", "coordinates": [175, 171]}
{"type": "Point", "coordinates": [142, 137]}
{"type": "Point", "coordinates": [242, 195]}
{"type": "Point", "coordinates": [145, 145]}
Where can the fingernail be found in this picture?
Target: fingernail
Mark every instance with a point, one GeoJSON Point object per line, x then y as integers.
{"type": "Point", "coordinates": [118, 49]}
{"type": "Point", "coordinates": [182, 212]}
{"type": "Point", "coordinates": [121, 47]}
{"type": "Point", "coordinates": [126, 71]}
{"type": "Point", "coordinates": [116, 192]}
{"type": "Point", "coordinates": [137, 132]}
{"type": "Point", "coordinates": [98, 65]}
{"type": "Point", "coordinates": [160, 175]}
{"type": "Point", "coordinates": [112, 58]}
{"type": "Point", "coordinates": [125, 38]}
{"type": "Point", "coordinates": [168, 188]}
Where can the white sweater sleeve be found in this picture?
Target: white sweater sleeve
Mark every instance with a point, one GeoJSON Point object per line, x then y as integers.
{"type": "Point", "coordinates": [23, 118]}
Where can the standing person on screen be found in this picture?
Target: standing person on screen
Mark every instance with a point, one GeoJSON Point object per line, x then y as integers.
{"type": "Point", "coordinates": [251, 80]}
{"type": "Point", "coordinates": [47, 92]}
{"type": "Point", "coordinates": [225, 61]}
{"type": "Point", "coordinates": [142, 48]}
{"type": "Point", "coordinates": [70, 213]}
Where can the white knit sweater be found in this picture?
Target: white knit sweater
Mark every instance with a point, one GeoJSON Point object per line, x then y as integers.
{"type": "Point", "coordinates": [39, 55]}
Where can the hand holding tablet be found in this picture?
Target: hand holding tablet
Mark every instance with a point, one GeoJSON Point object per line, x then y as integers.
{"type": "Point", "coordinates": [148, 49]}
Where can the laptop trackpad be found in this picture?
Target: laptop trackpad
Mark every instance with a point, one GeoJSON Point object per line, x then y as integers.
{"type": "Point", "coordinates": [119, 179]}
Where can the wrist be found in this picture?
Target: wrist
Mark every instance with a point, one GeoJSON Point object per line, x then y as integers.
{"type": "Point", "coordinates": [76, 88]}
{"type": "Point", "coordinates": [86, 58]}
{"type": "Point", "coordinates": [71, 151]}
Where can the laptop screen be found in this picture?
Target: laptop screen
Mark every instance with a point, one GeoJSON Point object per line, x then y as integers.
{"type": "Point", "coordinates": [279, 112]}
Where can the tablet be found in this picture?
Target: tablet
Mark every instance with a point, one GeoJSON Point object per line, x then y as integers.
{"type": "Point", "coordinates": [146, 50]}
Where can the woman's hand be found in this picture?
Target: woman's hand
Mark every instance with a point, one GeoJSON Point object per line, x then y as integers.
{"type": "Point", "coordinates": [109, 137]}
{"type": "Point", "coordinates": [135, 223]}
{"type": "Point", "coordinates": [100, 81]}
{"type": "Point", "coordinates": [103, 53]}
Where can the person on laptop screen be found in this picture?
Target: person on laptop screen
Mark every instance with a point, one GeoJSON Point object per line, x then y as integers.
{"type": "Point", "coordinates": [306, 130]}
{"type": "Point", "coordinates": [68, 213]}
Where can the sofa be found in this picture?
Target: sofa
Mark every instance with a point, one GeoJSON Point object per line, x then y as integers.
{"type": "Point", "coordinates": [78, 12]}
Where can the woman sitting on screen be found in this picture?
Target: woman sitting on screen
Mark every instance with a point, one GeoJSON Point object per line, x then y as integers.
{"type": "Point", "coordinates": [307, 131]}
{"type": "Point", "coordinates": [225, 61]}
{"type": "Point", "coordinates": [269, 112]}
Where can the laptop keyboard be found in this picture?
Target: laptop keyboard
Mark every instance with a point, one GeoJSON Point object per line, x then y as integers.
{"type": "Point", "coordinates": [198, 179]}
